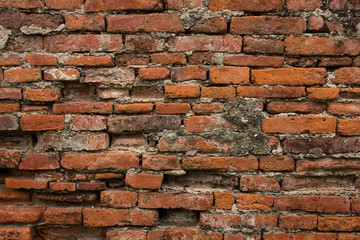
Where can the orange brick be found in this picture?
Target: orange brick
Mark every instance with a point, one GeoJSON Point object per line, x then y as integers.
{"type": "Point", "coordinates": [9, 60]}
{"type": "Point", "coordinates": [322, 94]}
{"type": "Point", "coordinates": [154, 73]}
{"type": "Point", "coordinates": [42, 95]}
{"type": "Point", "coordinates": [22, 75]}
{"type": "Point", "coordinates": [218, 92]}
{"type": "Point", "coordinates": [254, 202]}
{"type": "Point", "coordinates": [230, 75]}
{"type": "Point", "coordinates": [344, 108]}
{"type": "Point", "coordinates": [172, 108]}
{"type": "Point", "coordinates": [205, 108]}
{"type": "Point", "coordinates": [271, 92]}
{"type": "Point", "coordinates": [83, 107]}
{"type": "Point", "coordinates": [224, 200]}
{"type": "Point", "coordinates": [168, 58]}
{"type": "Point", "coordinates": [241, 164]}
{"type": "Point", "coordinates": [277, 163]}
{"type": "Point", "coordinates": [61, 74]}
{"type": "Point", "coordinates": [143, 180]}
{"type": "Point", "coordinates": [296, 107]}
{"type": "Point", "coordinates": [40, 59]}
{"type": "Point", "coordinates": [91, 61]}
{"type": "Point", "coordinates": [41, 122]}
{"type": "Point", "coordinates": [245, 5]}
{"type": "Point", "coordinates": [348, 127]}
{"type": "Point", "coordinates": [134, 108]}
{"type": "Point", "coordinates": [88, 22]}
{"type": "Point", "coordinates": [182, 91]}
{"type": "Point", "coordinates": [9, 107]}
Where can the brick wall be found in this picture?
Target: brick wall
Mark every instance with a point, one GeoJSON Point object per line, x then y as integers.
{"type": "Point", "coordinates": [179, 119]}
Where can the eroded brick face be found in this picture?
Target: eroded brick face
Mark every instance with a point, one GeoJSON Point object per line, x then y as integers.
{"type": "Point", "coordinates": [179, 119]}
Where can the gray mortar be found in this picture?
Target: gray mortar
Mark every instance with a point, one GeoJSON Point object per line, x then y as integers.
{"type": "Point", "coordinates": [4, 36]}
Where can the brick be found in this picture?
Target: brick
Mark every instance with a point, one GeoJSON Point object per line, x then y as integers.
{"type": "Point", "coordinates": [276, 163]}
{"type": "Point", "coordinates": [25, 4]}
{"type": "Point", "coordinates": [40, 59]}
{"type": "Point", "coordinates": [184, 233]}
{"type": "Point", "coordinates": [254, 202]}
{"type": "Point", "coordinates": [344, 108]}
{"type": "Point", "coordinates": [108, 176]}
{"type": "Point", "coordinates": [63, 216]}
{"type": "Point", "coordinates": [347, 75]}
{"type": "Point", "coordinates": [42, 95]}
{"type": "Point", "coordinates": [336, 62]}
{"type": "Point", "coordinates": [13, 196]}
{"type": "Point", "coordinates": [168, 58]}
{"type": "Point", "coordinates": [42, 122]}
{"type": "Point", "coordinates": [97, 217]}
{"type": "Point", "coordinates": [9, 159]}
{"type": "Point", "coordinates": [344, 5]}
{"type": "Point", "coordinates": [61, 74]}
{"type": "Point", "coordinates": [9, 123]}
{"type": "Point", "coordinates": [125, 234]}
{"type": "Point", "coordinates": [24, 233]}
{"type": "Point", "coordinates": [134, 108]}
{"type": "Point", "coordinates": [22, 75]}
{"type": "Point", "coordinates": [253, 61]}
{"type": "Point", "coordinates": [88, 123]}
{"type": "Point", "coordinates": [36, 109]}
{"type": "Point", "coordinates": [326, 165]}
{"type": "Point", "coordinates": [327, 145]}
{"type": "Point", "coordinates": [247, 6]}
{"type": "Point", "coordinates": [303, 222]}
{"type": "Point", "coordinates": [227, 43]}
{"type": "Point", "coordinates": [271, 92]}
{"type": "Point", "coordinates": [62, 186]}
{"type": "Point", "coordinates": [106, 5]}
{"type": "Point", "coordinates": [301, 62]}
{"type": "Point", "coordinates": [289, 76]}
{"type": "Point", "coordinates": [321, 204]}
{"type": "Point", "coordinates": [79, 93]}
{"type": "Point", "coordinates": [300, 236]}
{"type": "Point", "coordinates": [180, 4]}
{"type": "Point", "coordinates": [241, 164]}
{"type": "Point", "coordinates": [182, 91]}
{"type": "Point", "coordinates": [149, 92]}
{"type": "Point", "coordinates": [211, 25]}
{"type": "Point", "coordinates": [83, 107]}
{"type": "Point", "coordinates": [251, 183]}
{"type": "Point", "coordinates": [343, 224]}
{"type": "Point", "coordinates": [142, 123]}
{"type": "Point", "coordinates": [107, 93]}
{"type": "Point", "coordinates": [241, 236]}
{"type": "Point", "coordinates": [347, 93]}
{"type": "Point", "coordinates": [82, 22]}
{"type": "Point", "coordinates": [295, 107]}
{"type": "Point", "coordinates": [160, 162]}
{"type": "Point", "coordinates": [223, 200]}
{"type": "Point", "coordinates": [292, 183]}
{"type": "Point", "coordinates": [156, 22]}
{"type": "Point", "coordinates": [170, 201]}
{"type": "Point", "coordinates": [23, 20]}
{"type": "Point", "coordinates": [10, 93]}
{"type": "Point", "coordinates": [322, 94]}
{"type": "Point", "coordinates": [129, 142]}
{"type": "Point", "coordinates": [110, 75]}
{"type": "Point", "coordinates": [299, 124]}
{"type": "Point", "coordinates": [90, 186]}
{"type": "Point", "coordinates": [205, 108]}
{"type": "Point", "coordinates": [267, 25]}
{"type": "Point", "coordinates": [218, 92]}
{"type": "Point", "coordinates": [9, 59]}
{"type": "Point", "coordinates": [144, 43]}
{"type": "Point", "coordinates": [24, 214]}
{"type": "Point", "coordinates": [154, 73]}
{"type": "Point", "coordinates": [347, 237]}
{"type": "Point", "coordinates": [83, 43]}
{"type": "Point", "coordinates": [260, 45]}
{"type": "Point", "coordinates": [40, 161]}
{"type": "Point", "coordinates": [143, 180]}
{"type": "Point", "coordinates": [67, 198]}
{"type": "Point", "coordinates": [98, 161]}
{"type": "Point", "coordinates": [132, 59]}
{"type": "Point", "coordinates": [172, 108]}
{"type": "Point", "coordinates": [230, 220]}
{"type": "Point", "coordinates": [118, 199]}
{"type": "Point", "coordinates": [25, 183]}
{"type": "Point", "coordinates": [348, 127]}
{"type": "Point", "coordinates": [303, 5]}
{"type": "Point", "coordinates": [25, 43]}
{"type": "Point", "coordinates": [310, 46]}
{"type": "Point", "coordinates": [64, 4]}
{"type": "Point", "coordinates": [91, 61]}
{"type": "Point", "coordinates": [316, 24]}
{"type": "Point", "coordinates": [229, 75]}
{"type": "Point", "coordinates": [188, 73]}
{"type": "Point", "coordinates": [206, 124]}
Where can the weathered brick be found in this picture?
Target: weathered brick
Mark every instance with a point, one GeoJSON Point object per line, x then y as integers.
{"type": "Point", "coordinates": [211, 25]}
{"type": "Point", "coordinates": [344, 108]}
{"type": "Point", "coordinates": [172, 108]}
{"type": "Point", "coordinates": [251, 183]}
{"type": "Point", "coordinates": [348, 127]}
{"type": "Point", "coordinates": [23, 20]}
{"type": "Point", "coordinates": [108, 75]}
{"type": "Point", "coordinates": [327, 165]}
{"type": "Point", "coordinates": [205, 108]}
{"type": "Point", "coordinates": [25, 43]}
{"type": "Point", "coordinates": [300, 235]}
{"type": "Point", "coordinates": [40, 59]}
{"type": "Point", "coordinates": [180, 4]}
{"type": "Point", "coordinates": [91, 61]}
{"type": "Point", "coordinates": [254, 202]}
{"type": "Point", "coordinates": [182, 91]}
{"type": "Point", "coordinates": [118, 199]}
{"type": "Point", "coordinates": [10, 93]}
{"type": "Point", "coordinates": [160, 162]}
{"type": "Point", "coordinates": [260, 45]}
{"type": "Point", "coordinates": [126, 234]}
{"type": "Point", "coordinates": [134, 108]}
{"type": "Point", "coordinates": [42, 122]}
{"type": "Point", "coordinates": [25, 4]}
{"type": "Point", "coordinates": [42, 95]}
{"type": "Point", "coordinates": [24, 214]}
{"type": "Point", "coordinates": [168, 58]}
{"type": "Point", "coordinates": [83, 107]}
{"type": "Point", "coordinates": [186, 233]}
{"type": "Point", "coordinates": [253, 61]}
{"type": "Point", "coordinates": [206, 124]}
{"type": "Point", "coordinates": [13, 196]}
{"type": "Point", "coordinates": [241, 236]}
{"type": "Point", "coordinates": [276, 163]}
{"type": "Point", "coordinates": [144, 43]}
{"type": "Point", "coordinates": [9, 159]}
{"type": "Point", "coordinates": [295, 107]}
{"type": "Point", "coordinates": [223, 200]}
{"type": "Point", "coordinates": [347, 75]}
{"type": "Point", "coordinates": [218, 92]}
{"type": "Point", "coordinates": [90, 186]}
{"type": "Point", "coordinates": [129, 142]}
{"type": "Point", "coordinates": [88, 123]}
{"type": "Point", "coordinates": [154, 73]}
{"type": "Point", "coordinates": [271, 92]}
{"type": "Point", "coordinates": [22, 75]}
{"type": "Point", "coordinates": [8, 123]}
{"type": "Point", "coordinates": [63, 216]}
{"type": "Point", "coordinates": [229, 75]}
{"type": "Point", "coordinates": [247, 6]}
{"type": "Point", "coordinates": [336, 62]}
{"type": "Point", "coordinates": [188, 73]}
{"type": "Point", "coordinates": [105, 5]}
{"type": "Point", "coordinates": [241, 164]}
{"type": "Point", "coordinates": [64, 4]}
{"type": "Point", "coordinates": [107, 93]}
{"type": "Point", "coordinates": [143, 180]}
{"type": "Point", "coordinates": [303, 222]}
{"type": "Point", "coordinates": [25, 183]}
{"type": "Point", "coordinates": [344, 5]}
{"type": "Point", "coordinates": [203, 58]}
{"type": "Point", "coordinates": [63, 186]}
{"type": "Point", "coordinates": [341, 224]}
{"type": "Point", "coordinates": [9, 59]}
{"type": "Point", "coordinates": [291, 183]}
{"type": "Point", "coordinates": [40, 161]}
{"type": "Point", "coordinates": [82, 22]}
{"type": "Point", "coordinates": [322, 94]}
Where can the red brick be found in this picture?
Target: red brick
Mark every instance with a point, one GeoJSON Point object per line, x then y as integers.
{"type": "Point", "coordinates": [271, 92]}
{"type": "Point", "coordinates": [227, 43]}
{"type": "Point", "coordinates": [205, 108]}
{"type": "Point", "coordinates": [303, 222]}
{"type": "Point", "coordinates": [108, 176]}
{"type": "Point", "coordinates": [40, 161]}
{"type": "Point", "coordinates": [253, 61]}
{"type": "Point", "coordinates": [144, 43]}
{"type": "Point", "coordinates": [24, 214]}
{"type": "Point", "coordinates": [9, 159]}
{"type": "Point", "coordinates": [229, 75]}
{"type": "Point", "coordinates": [183, 233]}
{"type": "Point", "coordinates": [105, 5]}
{"type": "Point", "coordinates": [90, 186]}
{"type": "Point", "coordinates": [243, 164]}
{"type": "Point", "coordinates": [251, 183]}
{"type": "Point", "coordinates": [230, 220]}
{"type": "Point", "coordinates": [156, 22]}
{"type": "Point", "coordinates": [22, 75]}
{"type": "Point", "coordinates": [9, 123]}
{"type": "Point", "coordinates": [25, 43]}
{"type": "Point", "coordinates": [188, 73]}
{"type": "Point", "coordinates": [327, 165]}
{"type": "Point", "coordinates": [132, 59]}
{"type": "Point", "coordinates": [303, 5]}
{"type": "Point", "coordinates": [179, 4]}
{"type": "Point", "coordinates": [9, 59]}
{"type": "Point", "coordinates": [143, 180]}
{"type": "Point", "coordinates": [88, 123]}
{"type": "Point", "coordinates": [267, 25]}
{"type": "Point", "coordinates": [344, 108]}
{"type": "Point", "coordinates": [25, 183]}
{"type": "Point", "coordinates": [134, 108]}
{"type": "Point", "coordinates": [64, 4]}
{"type": "Point", "coordinates": [344, 5]}
{"type": "Point", "coordinates": [298, 183]}
{"type": "Point", "coordinates": [169, 200]}
{"type": "Point", "coordinates": [61, 74]}
{"type": "Point", "coordinates": [129, 142]}
{"type": "Point", "coordinates": [25, 4]}
{"type": "Point", "coordinates": [218, 92]}
{"type": "Point", "coordinates": [110, 75]}
{"type": "Point", "coordinates": [120, 124]}
{"type": "Point", "coordinates": [97, 161]}
{"type": "Point", "coordinates": [107, 93]}
{"type": "Point", "coordinates": [301, 62]}
{"type": "Point", "coordinates": [335, 62]}
{"type": "Point", "coordinates": [63, 216]}
{"type": "Point", "coordinates": [289, 76]}
{"type": "Point", "coordinates": [241, 236]}
{"type": "Point", "coordinates": [341, 224]}
{"type": "Point", "coordinates": [160, 162]}
{"type": "Point", "coordinates": [349, 93]}
{"type": "Point", "coordinates": [203, 58]}
{"type": "Point", "coordinates": [83, 107]}
{"type": "Point", "coordinates": [118, 199]}
{"type": "Point", "coordinates": [321, 204]}
{"type": "Point", "coordinates": [247, 6]}
{"type": "Point", "coordinates": [42, 95]}
{"type": "Point", "coordinates": [211, 25]}
{"type": "Point", "coordinates": [92, 61]}
{"type": "Point", "coordinates": [82, 22]}
{"type": "Point", "coordinates": [172, 108]}
{"type": "Point", "coordinates": [299, 124]}
{"type": "Point", "coordinates": [22, 20]}
{"type": "Point", "coordinates": [322, 94]}
{"type": "Point", "coordinates": [182, 91]}
{"type": "Point", "coordinates": [276, 163]}
{"type": "Point", "coordinates": [63, 186]}
{"type": "Point", "coordinates": [347, 237]}
{"type": "Point", "coordinates": [41, 122]}
{"type": "Point", "coordinates": [10, 93]}
{"type": "Point", "coordinates": [296, 107]}
{"type": "Point", "coordinates": [9, 107]}
{"type": "Point", "coordinates": [309, 46]}
{"type": "Point", "coordinates": [348, 127]}
{"type": "Point", "coordinates": [206, 124]}
{"type": "Point", "coordinates": [316, 24]}
{"type": "Point", "coordinates": [254, 202]}
{"type": "Point", "coordinates": [168, 58]}
{"type": "Point", "coordinates": [97, 217]}
{"type": "Point", "coordinates": [67, 198]}
{"type": "Point", "coordinates": [260, 45]}
{"type": "Point", "coordinates": [40, 59]}
{"type": "Point", "coordinates": [125, 234]}
{"type": "Point", "coordinates": [23, 233]}
{"type": "Point", "coordinates": [154, 73]}
{"type": "Point", "coordinates": [13, 196]}
{"type": "Point", "coordinates": [36, 109]}
{"type": "Point", "coordinates": [347, 75]}
{"type": "Point", "coordinates": [223, 200]}
{"type": "Point", "coordinates": [149, 92]}
{"type": "Point", "coordinates": [83, 43]}
{"type": "Point", "coordinates": [300, 236]}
